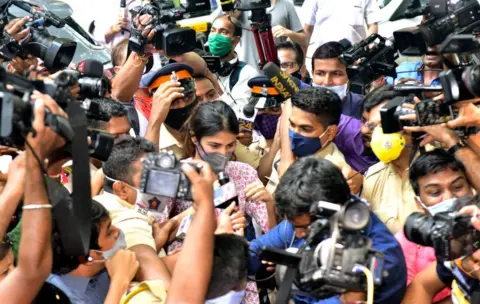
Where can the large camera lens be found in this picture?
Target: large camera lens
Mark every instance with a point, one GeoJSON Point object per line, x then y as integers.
{"type": "Point", "coordinates": [418, 229]}
{"type": "Point", "coordinates": [471, 79]}
{"type": "Point", "coordinates": [57, 53]}
{"type": "Point", "coordinates": [355, 216]}
{"type": "Point", "coordinates": [93, 87]}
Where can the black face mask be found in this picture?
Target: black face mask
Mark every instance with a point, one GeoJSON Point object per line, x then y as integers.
{"type": "Point", "coordinates": [176, 118]}
{"type": "Point", "coordinates": [297, 75]}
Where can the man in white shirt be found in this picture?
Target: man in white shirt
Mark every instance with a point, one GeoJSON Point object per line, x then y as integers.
{"type": "Point", "coordinates": [234, 74]}
{"type": "Point", "coordinates": [327, 20]}
{"type": "Point", "coordinates": [113, 23]}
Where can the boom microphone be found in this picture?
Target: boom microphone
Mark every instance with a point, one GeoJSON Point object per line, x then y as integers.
{"type": "Point", "coordinates": [91, 68]}
{"type": "Point", "coordinates": [284, 84]}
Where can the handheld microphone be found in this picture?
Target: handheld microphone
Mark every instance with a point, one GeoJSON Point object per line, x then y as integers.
{"type": "Point", "coordinates": [90, 68]}
{"type": "Point", "coordinates": [123, 11]}
{"type": "Point", "coordinates": [285, 85]}
{"type": "Point", "coordinates": [227, 5]}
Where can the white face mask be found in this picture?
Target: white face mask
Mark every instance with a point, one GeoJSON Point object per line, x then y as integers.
{"type": "Point", "coordinates": [444, 206]}
{"type": "Point", "coordinates": [233, 297]}
{"type": "Point", "coordinates": [340, 90]}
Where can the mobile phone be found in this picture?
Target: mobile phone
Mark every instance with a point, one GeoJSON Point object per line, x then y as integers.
{"type": "Point", "coordinates": [279, 256]}
{"type": "Point", "coordinates": [213, 63]}
{"type": "Point", "coordinates": [431, 112]}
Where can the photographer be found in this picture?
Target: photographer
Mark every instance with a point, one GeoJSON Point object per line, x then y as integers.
{"type": "Point", "coordinates": [308, 181]}
{"type": "Point", "coordinates": [386, 186]}
{"type": "Point", "coordinates": [437, 179]}
{"type": "Point", "coordinates": [331, 73]}
{"type": "Point", "coordinates": [462, 275]}
{"type": "Point", "coordinates": [35, 256]}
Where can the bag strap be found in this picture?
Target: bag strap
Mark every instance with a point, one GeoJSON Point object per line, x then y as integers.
{"type": "Point", "coordinates": [236, 74]}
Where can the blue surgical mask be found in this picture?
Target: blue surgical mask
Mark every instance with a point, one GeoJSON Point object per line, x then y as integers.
{"type": "Point", "coordinates": [304, 146]}
{"type": "Point", "coordinates": [340, 90]}
{"type": "Point", "coordinates": [445, 206]}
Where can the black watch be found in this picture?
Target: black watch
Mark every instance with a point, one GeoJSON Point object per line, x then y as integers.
{"type": "Point", "coordinates": [457, 146]}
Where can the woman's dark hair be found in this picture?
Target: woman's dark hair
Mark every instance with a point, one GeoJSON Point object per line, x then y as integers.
{"type": "Point", "coordinates": [209, 119]}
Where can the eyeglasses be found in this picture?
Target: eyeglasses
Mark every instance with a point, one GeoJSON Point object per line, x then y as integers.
{"type": "Point", "coordinates": [287, 65]}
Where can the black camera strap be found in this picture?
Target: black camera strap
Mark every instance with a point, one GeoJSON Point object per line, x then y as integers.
{"type": "Point", "coordinates": [283, 294]}
{"type": "Point", "coordinates": [80, 212]}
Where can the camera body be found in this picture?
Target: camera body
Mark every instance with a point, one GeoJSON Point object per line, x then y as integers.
{"type": "Point", "coordinates": [250, 5]}
{"type": "Point", "coordinates": [90, 87]}
{"type": "Point", "coordinates": [162, 176]}
{"type": "Point", "coordinates": [169, 37]}
{"type": "Point", "coordinates": [449, 233]}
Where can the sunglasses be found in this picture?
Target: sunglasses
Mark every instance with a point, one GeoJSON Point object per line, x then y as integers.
{"type": "Point", "coordinates": [287, 65]}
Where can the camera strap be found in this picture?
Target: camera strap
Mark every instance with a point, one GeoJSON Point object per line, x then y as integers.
{"type": "Point", "coordinates": [81, 195]}
{"type": "Point", "coordinates": [283, 294]}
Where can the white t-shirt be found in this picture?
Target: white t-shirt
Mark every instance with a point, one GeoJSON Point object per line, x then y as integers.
{"type": "Point", "coordinates": [106, 15]}
{"type": "Point", "coordinates": [241, 92]}
{"type": "Point", "coordinates": [283, 13]}
{"type": "Point", "coordinates": [336, 20]}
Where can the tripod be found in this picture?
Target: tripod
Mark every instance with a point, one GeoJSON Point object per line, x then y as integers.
{"type": "Point", "coordinates": [261, 27]}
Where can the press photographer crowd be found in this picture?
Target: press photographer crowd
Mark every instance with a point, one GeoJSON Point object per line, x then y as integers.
{"type": "Point", "coordinates": [254, 159]}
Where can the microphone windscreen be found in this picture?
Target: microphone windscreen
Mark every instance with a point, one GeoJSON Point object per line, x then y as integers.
{"type": "Point", "coordinates": [91, 68]}
{"type": "Point", "coordinates": [123, 3]}
{"type": "Point", "coordinates": [284, 84]}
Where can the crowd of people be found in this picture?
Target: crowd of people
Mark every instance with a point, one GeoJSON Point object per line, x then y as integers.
{"type": "Point", "coordinates": [324, 144]}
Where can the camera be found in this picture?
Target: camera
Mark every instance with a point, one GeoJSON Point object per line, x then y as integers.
{"type": "Point", "coordinates": [56, 53]}
{"type": "Point", "coordinates": [428, 111]}
{"type": "Point", "coordinates": [90, 87]}
{"type": "Point", "coordinates": [163, 176]}
{"type": "Point", "coordinates": [460, 84]}
{"type": "Point", "coordinates": [249, 5]}
{"type": "Point", "coordinates": [443, 20]}
{"type": "Point", "coordinates": [368, 60]}
{"type": "Point", "coordinates": [449, 233]}
{"type": "Point", "coordinates": [169, 37]}
{"type": "Point", "coordinates": [336, 246]}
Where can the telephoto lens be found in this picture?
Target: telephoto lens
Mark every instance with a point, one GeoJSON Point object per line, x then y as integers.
{"type": "Point", "coordinates": [93, 87]}
{"type": "Point", "coordinates": [418, 229]}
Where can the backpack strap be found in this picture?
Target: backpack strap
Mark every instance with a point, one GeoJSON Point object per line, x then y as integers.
{"type": "Point", "coordinates": [236, 74]}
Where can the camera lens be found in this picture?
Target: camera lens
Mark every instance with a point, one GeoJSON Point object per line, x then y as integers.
{"type": "Point", "coordinates": [166, 161]}
{"type": "Point", "coordinates": [92, 87]}
{"type": "Point", "coordinates": [418, 229]}
{"type": "Point", "coordinates": [355, 216]}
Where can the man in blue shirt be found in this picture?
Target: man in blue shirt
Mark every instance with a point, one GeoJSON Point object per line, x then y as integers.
{"type": "Point", "coordinates": [306, 182]}
{"type": "Point", "coordinates": [331, 73]}
{"type": "Point", "coordinates": [425, 71]}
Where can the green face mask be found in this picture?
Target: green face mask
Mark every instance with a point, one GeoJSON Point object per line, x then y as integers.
{"type": "Point", "coordinates": [219, 45]}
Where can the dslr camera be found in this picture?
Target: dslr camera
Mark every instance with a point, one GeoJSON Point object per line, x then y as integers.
{"type": "Point", "coordinates": [163, 176]}
{"type": "Point", "coordinates": [57, 53]}
{"type": "Point", "coordinates": [449, 233]}
{"type": "Point", "coordinates": [336, 246]}
{"type": "Point", "coordinates": [169, 37]}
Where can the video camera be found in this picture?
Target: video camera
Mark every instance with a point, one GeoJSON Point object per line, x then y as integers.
{"type": "Point", "coordinates": [163, 176]}
{"type": "Point", "coordinates": [336, 248]}
{"type": "Point", "coordinates": [444, 18]}
{"type": "Point", "coordinates": [169, 37]}
{"type": "Point", "coordinates": [449, 233]}
{"type": "Point", "coordinates": [368, 60]}
{"type": "Point", "coordinates": [16, 112]}
{"type": "Point", "coordinates": [56, 53]}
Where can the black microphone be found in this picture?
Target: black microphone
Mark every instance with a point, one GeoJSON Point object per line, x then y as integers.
{"type": "Point", "coordinates": [123, 10]}
{"type": "Point", "coordinates": [227, 5]}
{"type": "Point", "coordinates": [285, 85]}
{"type": "Point", "coordinates": [90, 68]}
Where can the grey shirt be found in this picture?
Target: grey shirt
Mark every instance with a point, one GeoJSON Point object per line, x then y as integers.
{"type": "Point", "coordinates": [283, 13]}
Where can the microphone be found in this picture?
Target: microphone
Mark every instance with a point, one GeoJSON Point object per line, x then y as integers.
{"type": "Point", "coordinates": [90, 68]}
{"type": "Point", "coordinates": [123, 11]}
{"type": "Point", "coordinates": [225, 194]}
{"type": "Point", "coordinates": [285, 85]}
{"type": "Point", "coordinates": [227, 5]}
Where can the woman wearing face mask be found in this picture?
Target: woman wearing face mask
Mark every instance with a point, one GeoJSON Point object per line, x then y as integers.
{"type": "Point", "coordinates": [211, 136]}
{"type": "Point", "coordinates": [438, 179]}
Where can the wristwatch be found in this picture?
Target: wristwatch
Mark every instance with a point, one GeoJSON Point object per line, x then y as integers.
{"type": "Point", "coordinates": [457, 146]}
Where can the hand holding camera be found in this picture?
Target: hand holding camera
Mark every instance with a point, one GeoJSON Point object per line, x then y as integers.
{"type": "Point", "coordinates": [43, 140]}
{"type": "Point", "coordinates": [15, 28]}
